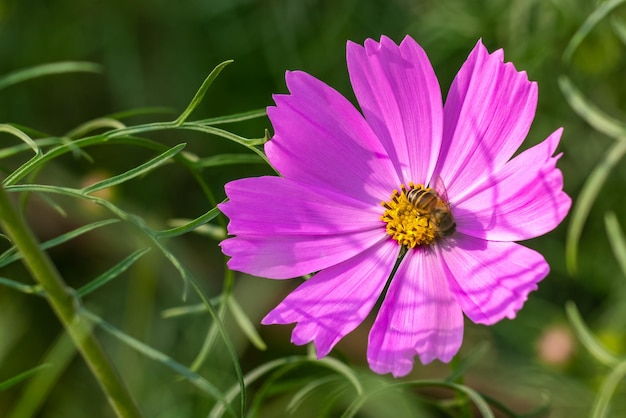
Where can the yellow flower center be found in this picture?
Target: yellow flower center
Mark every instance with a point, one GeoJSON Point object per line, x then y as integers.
{"type": "Point", "coordinates": [417, 215]}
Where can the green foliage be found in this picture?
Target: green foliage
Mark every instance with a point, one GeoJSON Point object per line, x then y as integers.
{"type": "Point", "coordinates": [125, 204]}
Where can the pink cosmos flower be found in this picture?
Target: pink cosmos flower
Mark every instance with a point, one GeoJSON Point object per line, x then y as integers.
{"type": "Point", "coordinates": [442, 255]}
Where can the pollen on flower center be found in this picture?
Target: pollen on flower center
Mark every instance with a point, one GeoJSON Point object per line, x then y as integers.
{"type": "Point", "coordinates": [417, 215]}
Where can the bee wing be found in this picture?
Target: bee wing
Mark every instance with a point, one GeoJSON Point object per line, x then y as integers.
{"type": "Point", "coordinates": [436, 183]}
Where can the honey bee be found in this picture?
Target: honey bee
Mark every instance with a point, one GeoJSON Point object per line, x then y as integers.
{"type": "Point", "coordinates": [434, 201]}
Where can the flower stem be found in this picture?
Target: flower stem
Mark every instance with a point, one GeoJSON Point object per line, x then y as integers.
{"type": "Point", "coordinates": [67, 307]}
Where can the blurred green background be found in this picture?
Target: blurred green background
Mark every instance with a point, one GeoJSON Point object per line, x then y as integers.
{"type": "Point", "coordinates": [157, 53]}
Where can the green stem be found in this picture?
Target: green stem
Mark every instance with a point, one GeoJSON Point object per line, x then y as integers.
{"type": "Point", "coordinates": [66, 306]}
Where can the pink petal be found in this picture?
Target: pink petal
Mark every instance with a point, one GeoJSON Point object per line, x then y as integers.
{"type": "Point", "coordinates": [522, 200]}
{"type": "Point", "coordinates": [322, 140]}
{"type": "Point", "coordinates": [491, 280]}
{"type": "Point", "coordinates": [271, 206]}
{"type": "Point", "coordinates": [287, 256]}
{"type": "Point", "coordinates": [419, 316]}
{"type": "Point", "coordinates": [400, 96]}
{"type": "Point", "coordinates": [487, 115]}
{"type": "Point", "coordinates": [336, 300]}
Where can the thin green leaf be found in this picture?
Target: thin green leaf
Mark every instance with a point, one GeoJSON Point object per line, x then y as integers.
{"type": "Point", "coordinates": [77, 152]}
{"type": "Point", "coordinates": [245, 324]}
{"type": "Point", "coordinates": [32, 132]}
{"type": "Point", "coordinates": [212, 130]}
{"type": "Point", "coordinates": [112, 273]}
{"type": "Point", "coordinates": [216, 232]}
{"type": "Point", "coordinates": [48, 69]}
{"type": "Point", "coordinates": [12, 130]}
{"type": "Point", "coordinates": [251, 144]}
{"type": "Point", "coordinates": [617, 239]}
{"type": "Point", "coordinates": [601, 403]}
{"type": "Point", "coordinates": [71, 146]}
{"type": "Point", "coordinates": [92, 125]}
{"type": "Point", "coordinates": [603, 9]}
{"type": "Point", "coordinates": [190, 226]}
{"type": "Point", "coordinates": [141, 111]}
{"type": "Point", "coordinates": [229, 159]}
{"type": "Point", "coordinates": [77, 232]}
{"type": "Point", "coordinates": [209, 339]}
{"type": "Point", "coordinates": [194, 378]}
{"type": "Point", "coordinates": [201, 92]}
{"type": "Point", "coordinates": [586, 198]}
{"type": "Point", "coordinates": [237, 117]}
{"type": "Point", "coordinates": [198, 308]}
{"type": "Point", "coordinates": [12, 255]}
{"type": "Point", "coordinates": [589, 112]}
{"type": "Point", "coordinates": [54, 205]}
{"type": "Point", "coordinates": [134, 172]}
{"type": "Point", "coordinates": [18, 149]}
{"type": "Point", "coordinates": [587, 339]}
{"type": "Point", "coordinates": [22, 376]}
{"type": "Point", "coordinates": [24, 288]}
{"type": "Point", "coordinates": [126, 136]}
{"type": "Point", "coordinates": [217, 322]}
